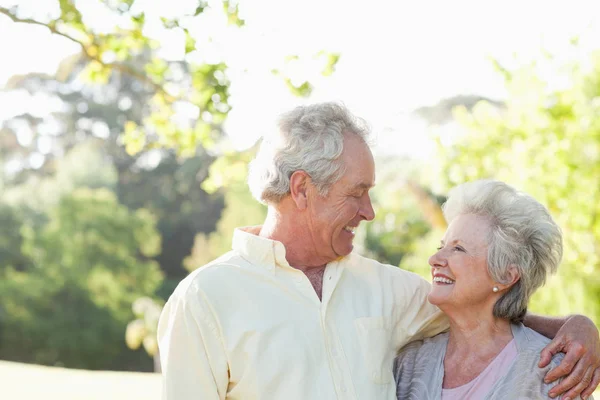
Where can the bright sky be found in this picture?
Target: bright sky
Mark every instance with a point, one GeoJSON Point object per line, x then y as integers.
{"type": "Point", "coordinates": [397, 55]}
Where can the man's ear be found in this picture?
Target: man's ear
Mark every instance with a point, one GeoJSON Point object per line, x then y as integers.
{"type": "Point", "coordinates": [298, 189]}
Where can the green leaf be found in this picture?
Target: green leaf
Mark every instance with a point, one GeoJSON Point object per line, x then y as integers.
{"type": "Point", "coordinates": [332, 60]}
{"type": "Point", "coordinates": [303, 90]}
{"type": "Point", "coordinates": [233, 17]}
{"type": "Point", "coordinates": [200, 9]}
{"type": "Point", "coordinates": [157, 69]}
{"type": "Point", "coordinates": [139, 19]}
{"type": "Point", "coordinates": [96, 72]}
{"type": "Point", "coordinates": [190, 42]}
{"type": "Point", "coordinates": [169, 23]}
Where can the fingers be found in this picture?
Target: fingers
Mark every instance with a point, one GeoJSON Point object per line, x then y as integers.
{"type": "Point", "coordinates": [567, 365]}
{"type": "Point", "coordinates": [592, 386]}
{"type": "Point", "coordinates": [581, 386]}
{"type": "Point", "coordinates": [551, 349]}
{"type": "Point", "coordinates": [570, 383]}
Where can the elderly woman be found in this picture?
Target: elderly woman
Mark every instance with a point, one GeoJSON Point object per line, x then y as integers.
{"type": "Point", "coordinates": [499, 248]}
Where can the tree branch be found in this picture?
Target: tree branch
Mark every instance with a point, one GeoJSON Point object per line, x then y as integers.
{"type": "Point", "coordinates": [52, 28]}
{"type": "Point", "coordinates": [124, 68]}
{"type": "Point", "coordinates": [429, 207]}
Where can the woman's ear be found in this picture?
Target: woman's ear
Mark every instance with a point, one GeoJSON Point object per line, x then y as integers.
{"type": "Point", "coordinates": [299, 188]}
{"type": "Point", "coordinates": [512, 276]}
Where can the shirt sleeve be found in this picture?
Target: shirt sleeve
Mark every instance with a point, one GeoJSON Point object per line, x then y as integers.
{"type": "Point", "coordinates": [193, 359]}
{"type": "Point", "coordinates": [417, 317]}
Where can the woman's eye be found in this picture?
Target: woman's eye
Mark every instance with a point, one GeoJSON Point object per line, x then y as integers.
{"type": "Point", "coordinates": [458, 248]}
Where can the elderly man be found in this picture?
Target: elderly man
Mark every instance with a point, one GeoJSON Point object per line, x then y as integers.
{"type": "Point", "coordinates": [291, 312]}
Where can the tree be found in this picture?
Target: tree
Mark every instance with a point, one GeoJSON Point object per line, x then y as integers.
{"type": "Point", "coordinates": [11, 257]}
{"type": "Point", "coordinates": [184, 84]}
{"type": "Point", "coordinates": [71, 305]}
{"type": "Point", "coordinates": [119, 52]}
{"type": "Point", "coordinates": [87, 143]}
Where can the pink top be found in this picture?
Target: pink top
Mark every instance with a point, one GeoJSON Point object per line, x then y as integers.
{"type": "Point", "coordinates": [480, 386]}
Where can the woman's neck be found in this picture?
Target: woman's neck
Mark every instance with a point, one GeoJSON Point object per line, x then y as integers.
{"type": "Point", "coordinates": [477, 334]}
{"type": "Point", "coordinates": [473, 343]}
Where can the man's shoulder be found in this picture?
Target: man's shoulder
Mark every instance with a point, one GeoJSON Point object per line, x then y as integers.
{"type": "Point", "coordinates": [362, 262]}
{"type": "Point", "coordinates": [366, 265]}
{"type": "Point", "coordinates": [212, 273]}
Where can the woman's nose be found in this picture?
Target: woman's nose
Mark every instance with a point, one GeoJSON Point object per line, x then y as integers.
{"type": "Point", "coordinates": [437, 259]}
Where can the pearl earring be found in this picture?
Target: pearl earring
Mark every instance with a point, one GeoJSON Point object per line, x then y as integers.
{"type": "Point", "coordinates": [495, 289]}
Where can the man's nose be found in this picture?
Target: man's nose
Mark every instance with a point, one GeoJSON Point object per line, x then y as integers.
{"type": "Point", "coordinates": [367, 210]}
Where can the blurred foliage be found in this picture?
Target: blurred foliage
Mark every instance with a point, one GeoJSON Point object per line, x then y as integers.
{"type": "Point", "coordinates": [86, 131]}
{"type": "Point", "coordinates": [10, 241]}
{"type": "Point", "coordinates": [71, 303]}
{"type": "Point", "coordinates": [86, 152]}
{"type": "Point", "coordinates": [174, 87]}
{"type": "Point", "coordinates": [241, 209]}
{"type": "Point", "coordinates": [127, 50]}
{"type": "Point", "coordinates": [399, 219]}
{"type": "Point", "coordinates": [545, 140]}
{"type": "Point", "coordinates": [423, 247]}
{"type": "Point", "coordinates": [323, 61]}
{"type": "Point", "coordinates": [142, 330]}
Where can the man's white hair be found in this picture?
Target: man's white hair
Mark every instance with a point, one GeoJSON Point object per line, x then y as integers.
{"type": "Point", "coordinates": [311, 139]}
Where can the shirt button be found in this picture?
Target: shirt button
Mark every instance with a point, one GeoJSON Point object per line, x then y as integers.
{"type": "Point", "coordinates": [343, 388]}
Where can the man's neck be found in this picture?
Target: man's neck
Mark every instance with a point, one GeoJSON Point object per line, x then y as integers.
{"type": "Point", "coordinates": [283, 227]}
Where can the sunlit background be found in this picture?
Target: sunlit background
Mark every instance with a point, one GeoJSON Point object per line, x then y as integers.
{"type": "Point", "coordinates": [124, 139]}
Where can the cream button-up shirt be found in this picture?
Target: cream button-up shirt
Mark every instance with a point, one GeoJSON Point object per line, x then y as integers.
{"type": "Point", "coordinates": [249, 326]}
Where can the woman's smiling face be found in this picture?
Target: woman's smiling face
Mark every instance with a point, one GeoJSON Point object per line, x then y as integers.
{"type": "Point", "coordinates": [459, 267]}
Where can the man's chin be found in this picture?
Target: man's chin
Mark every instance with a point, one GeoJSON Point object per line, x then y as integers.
{"type": "Point", "coordinates": [343, 252]}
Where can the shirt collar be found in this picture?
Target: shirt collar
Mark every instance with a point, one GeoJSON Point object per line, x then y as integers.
{"type": "Point", "coordinates": [259, 250]}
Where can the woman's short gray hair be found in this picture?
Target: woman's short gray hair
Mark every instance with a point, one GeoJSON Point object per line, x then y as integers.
{"type": "Point", "coordinates": [522, 234]}
{"type": "Point", "coordinates": [311, 139]}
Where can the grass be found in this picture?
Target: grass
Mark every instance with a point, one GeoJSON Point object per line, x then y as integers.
{"type": "Point", "coordinates": [29, 382]}
{"type": "Point", "coordinates": [34, 382]}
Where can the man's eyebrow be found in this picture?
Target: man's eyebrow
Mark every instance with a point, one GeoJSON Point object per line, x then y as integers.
{"type": "Point", "coordinates": [364, 186]}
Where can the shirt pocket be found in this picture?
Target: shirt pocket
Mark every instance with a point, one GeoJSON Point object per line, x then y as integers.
{"type": "Point", "coordinates": [374, 336]}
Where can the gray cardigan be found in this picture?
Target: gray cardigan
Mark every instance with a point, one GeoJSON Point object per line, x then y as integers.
{"type": "Point", "coordinates": [419, 369]}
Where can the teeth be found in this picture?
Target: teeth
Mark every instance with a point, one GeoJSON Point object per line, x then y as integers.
{"type": "Point", "coordinates": [349, 229]}
{"type": "Point", "coordinates": [442, 280]}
